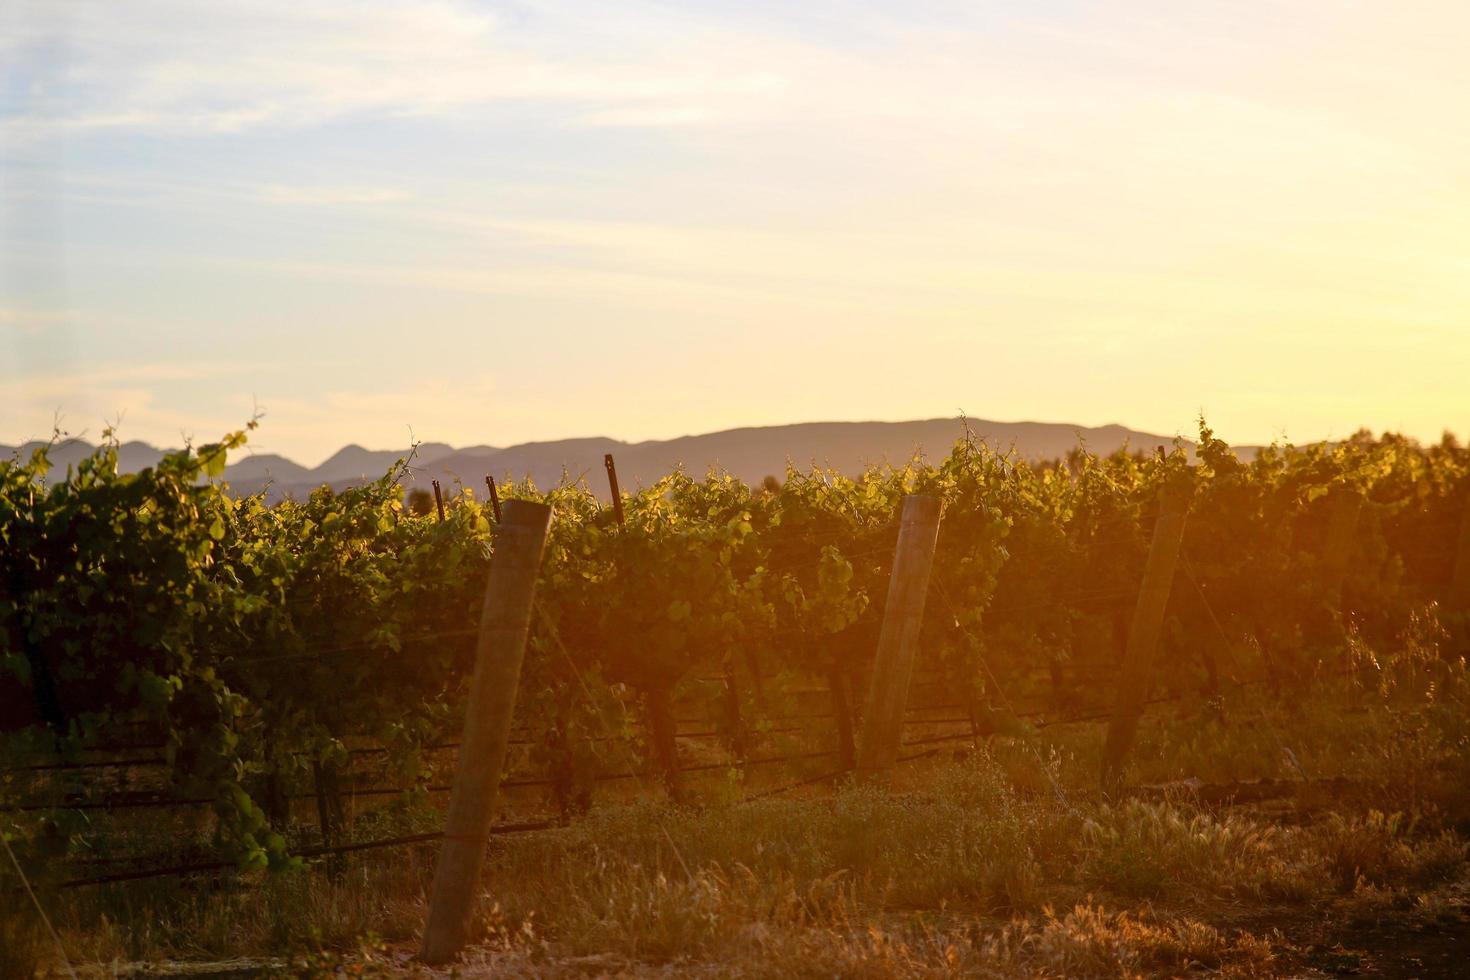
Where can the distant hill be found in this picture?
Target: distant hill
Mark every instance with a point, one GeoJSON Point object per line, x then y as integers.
{"type": "Point", "coordinates": [749, 453]}
{"type": "Point", "coordinates": [753, 453]}
{"type": "Point", "coordinates": [268, 468]}
{"type": "Point", "coordinates": [356, 464]}
{"type": "Point", "coordinates": [131, 456]}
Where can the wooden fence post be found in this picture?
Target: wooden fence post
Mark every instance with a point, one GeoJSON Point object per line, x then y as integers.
{"type": "Point", "coordinates": [903, 615]}
{"type": "Point", "coordinates": [612, 483]}
{"type": "Point", "coordinates": [505, 620]}
{"type": "Point", "coordinates": [1459, 597]}
{"type": "Point", "coordinates": [1143, 636]}
{"type": "Point", "coordinates": [1342, 534]}
{"type": "Point", "coordinates": [494, 497]}
{"type": "Point", "coordinates": [438, 500]}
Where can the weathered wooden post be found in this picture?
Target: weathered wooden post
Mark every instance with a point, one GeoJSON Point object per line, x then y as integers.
{"type": "Point", "coordinates": [1342, 533]}
{"type": "Point", "coordinates": [898, 642]}
{"type": "Point", "coordinates": [438, 500]}
{"type": "Point", "coordinates": [505, 620]}
{"type": "Point", "coordinates": [494, 497]}
{"type": "Point", "coordinates": [612, 484]}
{"type": "Point", "coordinates": [1143, 636]}
{"type": "Point", "coordinates": [1459, 597]}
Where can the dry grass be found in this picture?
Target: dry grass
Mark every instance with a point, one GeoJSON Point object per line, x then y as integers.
{"type": "Point", "coordinates": [955, 874]}
{"type": "Point", "coordinates": [957, 880]}
{"type": "Point", "coordinates": [22, 940]}
{"type": "Point", "coordinates": [1087, 941]}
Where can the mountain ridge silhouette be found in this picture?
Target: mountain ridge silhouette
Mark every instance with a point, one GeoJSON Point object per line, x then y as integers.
{"type": "Point", "coordinates": [750, 453]}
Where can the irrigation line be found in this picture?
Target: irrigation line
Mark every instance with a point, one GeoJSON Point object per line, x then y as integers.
{"type": "Point", "coordinates": [187, 869]}
{"type": "Point", "coordinates": [808, 781]}
{"type": "Point", "coordinates": [101, 764]}
{"type": "Point", "coordinates": [963, 736]}
{"type": "Point", "coordinates": [836, 773]}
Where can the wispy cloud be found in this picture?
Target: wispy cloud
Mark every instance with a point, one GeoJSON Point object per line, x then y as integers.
{"type": "Point", "coordinates": [640, 116]}
{"type": "Point", "coordinates": [52, 384]}
{"type": "Point", "coordinates": [328, 195]}
{"type": "Point", "coordinates": [34, 321]}
{"type": "Point", "coordinates": [230, 66]}
{"type": "Point", "coordinates": [135, 397]}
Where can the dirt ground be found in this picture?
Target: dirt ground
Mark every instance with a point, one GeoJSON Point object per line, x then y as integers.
{"type": "Point", "coordinates": [1428, 944]}
{"type": "Point", "coordinates": [1428, 941]}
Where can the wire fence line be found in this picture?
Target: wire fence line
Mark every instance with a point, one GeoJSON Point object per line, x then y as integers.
{"type": "Point", "coordinates": [927, 746]}
{"type": "Point", "coordinates": [144, 800]}
{"type": "Point", "coordinates": [174, 871]}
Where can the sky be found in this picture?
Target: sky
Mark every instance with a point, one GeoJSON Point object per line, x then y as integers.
{"type": "Point", "coordinates": [489, 223]}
